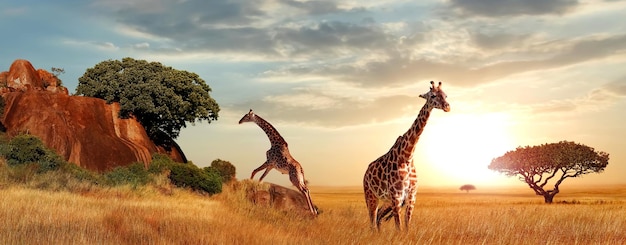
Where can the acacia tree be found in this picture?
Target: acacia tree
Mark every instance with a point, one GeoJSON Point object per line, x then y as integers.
{"type": "Point", "coordinates": [467, 188]}
{"type": "Point", "coordinates": [161, 98]}
{"type": "Point", "coordinates": [537, 165]}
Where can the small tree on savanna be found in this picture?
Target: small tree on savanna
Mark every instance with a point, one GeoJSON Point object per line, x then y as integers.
{"type": "Point", "coordinates": [537, 165]}
{"type": "Point", "coordinates": [467, 188]}
{"type": "Point", "coordinates": [161, 98]}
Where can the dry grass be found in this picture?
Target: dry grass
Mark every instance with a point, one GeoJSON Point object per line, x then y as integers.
{"type": "Point", "coordinates": [145, 216]}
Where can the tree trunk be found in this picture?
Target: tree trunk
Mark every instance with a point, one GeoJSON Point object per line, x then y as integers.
{"type": "Point", "coordinates": [548, 197]}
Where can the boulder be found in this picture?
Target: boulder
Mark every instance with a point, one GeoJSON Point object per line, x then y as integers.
{"type": "Point", "coordinates": [83, 130]}
{"type": "Point", "coordinates": [278, 197]}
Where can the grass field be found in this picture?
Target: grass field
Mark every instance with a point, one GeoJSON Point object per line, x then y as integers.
{"type": "Point", "coordinates": [442, 216]}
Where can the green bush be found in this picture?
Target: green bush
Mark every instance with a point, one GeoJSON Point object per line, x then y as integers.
{"type": "Point", "coordinates": [134, 174]}
{"type": "Point", "coordinates": [224, 169]}
{"type": "Point", "coordinates": [25, 148]}
{"type": "Point", "coordinates": [160, 163]}
{"type": "Point", "coordinates": [186, 175]}
{"type": "Point", "coordinates": [81, 174]}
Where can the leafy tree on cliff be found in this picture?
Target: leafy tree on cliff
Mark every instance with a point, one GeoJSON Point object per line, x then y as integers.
{"type": "Point", "coordinates": [163, 99]}
{"type": "Point", "coordinates": [537, 165]}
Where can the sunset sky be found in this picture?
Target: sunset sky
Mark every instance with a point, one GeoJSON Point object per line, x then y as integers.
{"type": "Point", "coordinates": [340, 79]}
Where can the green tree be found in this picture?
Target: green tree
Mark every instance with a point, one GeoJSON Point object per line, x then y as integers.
{"type": "Point", "coordinates": [163, 99]}
{"type": "Point", "coordinates": [224, 169]}
{"type": "Point", "coordinates": [537, 165]}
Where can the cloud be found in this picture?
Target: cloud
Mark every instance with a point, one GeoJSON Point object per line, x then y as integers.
{"type": "Point", "coordinates": [332, 112]}
{"type": "Point", "coordinates": [143, 45]}
{"type": "Point", "coordinates": [499, 8]}
{"type": "Point", "coordinates": [610, 91]}
{"type": "Point", "coordinates": [596, 99]}
{"type": "Point", "coordinates": [498, 40]}
{"type": "Point", "coordinates": [106, 46]}
{"type": "Point", "coordinates": [400, 70]}
{"type": "Point", "coordinates": [313, 7]}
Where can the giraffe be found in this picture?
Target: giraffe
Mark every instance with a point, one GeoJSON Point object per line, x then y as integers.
{"type": "Point", "coordinates": [278, 157]}
{"type": "Point", "coordinates": [392, 179]}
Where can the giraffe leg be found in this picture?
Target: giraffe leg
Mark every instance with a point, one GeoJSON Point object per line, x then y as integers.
{"type": "Point", "coordinates": [298, 181]}
{"type": "Point", "coordinates": [396, 205]}
{"type": "Point", "coordinates": [409, 207]}
{"type": "Point", "coordinates": [372, 207]}
{"type": "Point", "coordinates": [264, 174]}
{"type": "Point", "coordinates": [385, 213]}
{"type": "Point", "coordinates": [263, 166]}
{"type": "Point", "coordinates": [307, 195]}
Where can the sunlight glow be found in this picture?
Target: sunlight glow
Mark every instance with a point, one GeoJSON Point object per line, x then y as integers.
{"type": "Point", "coordinates": [461, 146]}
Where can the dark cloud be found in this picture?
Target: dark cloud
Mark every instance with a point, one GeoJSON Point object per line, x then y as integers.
{"type": "Point", "coordinates": [400, 70]}
{"type": "Point", "coordinates": [313, 7]}
{"type": "Point", "coordinates": [498, 8]}
{"type": "Point", "coordinates": [244, 27]}
{"type": "Point", "coordinates": [332, 36]}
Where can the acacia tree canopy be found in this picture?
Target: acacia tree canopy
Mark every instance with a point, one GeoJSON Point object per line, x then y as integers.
{"type": "Point", "coordinates": [467, 187]}
{"type": "Point", "coordinates": [537, 165]}
{"type": "Point", "coordinates": [163, 99]}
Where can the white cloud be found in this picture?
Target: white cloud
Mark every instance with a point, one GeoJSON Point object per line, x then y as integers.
{"type": "Point", "coordinates": [106, 46]}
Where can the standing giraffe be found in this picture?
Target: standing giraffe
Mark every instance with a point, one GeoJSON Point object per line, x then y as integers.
{"type": "Point", "coordinates": [392, 178]}
{"type": "Point", "coordinates": [278, 157]}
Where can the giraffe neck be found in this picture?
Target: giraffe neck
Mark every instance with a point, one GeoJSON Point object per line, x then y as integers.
{"type": "Point", "coordinates": [412, 135]}
{"type": "Point", "coordinates": [270, 131]}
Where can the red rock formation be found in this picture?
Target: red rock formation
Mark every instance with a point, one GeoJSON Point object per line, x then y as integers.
{"type": "Point", "coordinates": [86, 131]}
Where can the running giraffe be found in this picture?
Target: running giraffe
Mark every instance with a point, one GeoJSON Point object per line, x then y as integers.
{"type": "Point", "coordinates": [278, 157]}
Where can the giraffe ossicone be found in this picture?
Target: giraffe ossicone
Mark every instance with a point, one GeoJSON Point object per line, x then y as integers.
{"type": "Point", "coordinates": [279, 158]}
{"type": "Point", "coordinates": [391, 179]}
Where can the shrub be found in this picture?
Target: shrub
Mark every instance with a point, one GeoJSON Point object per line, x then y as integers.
{"type": "Point", "coordinates": [160, 162]}
{"type": "Point", "coordinates": [224, 169]}
{"type": "Point", "coordinates": [134, 174]}
{"type": "Point", "coordinates": [186, 175]}
{"type": "Point", "coordinates": [25, 148]}
{"type": "Point", "coordinates": [190, 176]}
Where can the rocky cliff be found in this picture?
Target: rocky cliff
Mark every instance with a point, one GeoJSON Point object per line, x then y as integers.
{"type": "Point", "coordinates": [86, 131]}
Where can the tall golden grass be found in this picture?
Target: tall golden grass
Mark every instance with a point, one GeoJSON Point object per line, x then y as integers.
{"type": "Point", "coordinates": [145, 215]}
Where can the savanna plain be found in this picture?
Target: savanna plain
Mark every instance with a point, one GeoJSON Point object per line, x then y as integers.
{"type": "Point", "coordinates": [156, 215]}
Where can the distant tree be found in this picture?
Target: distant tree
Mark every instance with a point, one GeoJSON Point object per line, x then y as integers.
{"type": "Point", "coordinates": [536, 165]}
{"type": "Point", "coordinates": [224, 169]}
{"type": "Point", "coordinates": [467, 188]}
{"type": "Point", "coordinates": [57, 72]}
{"type": "Point", "coordinates": [163, 99]}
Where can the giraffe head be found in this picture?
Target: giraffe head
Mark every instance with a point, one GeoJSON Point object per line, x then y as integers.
{"type": "Point", "coordinates": [248, 117]}
{"type": "Point", "coordinates": [436, 97]}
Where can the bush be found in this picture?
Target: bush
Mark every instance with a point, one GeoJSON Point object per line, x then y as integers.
{"type": "Point", "coordinates": [186, 175]}
{"type": "Point", "coordinates": [190, 176]}
{"type": "Point", "coordinates": [134, 174]}
{"type": "Point", "coordinates": [25, 148]}
{"type": "Point", "coordinates": [224, 169]}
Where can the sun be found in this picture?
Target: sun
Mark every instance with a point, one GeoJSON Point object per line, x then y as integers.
{"type": "Point", "coordinates": [460, 147]}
